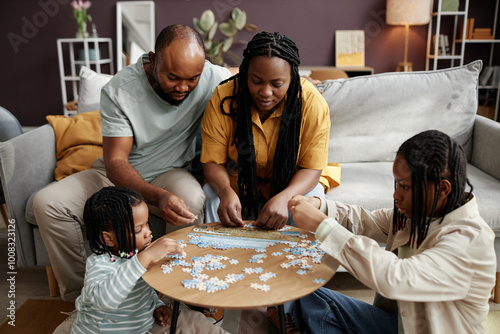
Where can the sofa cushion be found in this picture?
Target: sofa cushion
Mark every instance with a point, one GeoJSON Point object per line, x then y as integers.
{"type": "Point", "coordinates": [367, 184]}
{"type": "Point", "coordinates": [78, 142]}
{"type": "Point", "coordinates": [487, 192]}
{"type": "Point", "coordinates": [371, 185]}
{"type": "Point", "coordinates": [372, 115]}
{"type": "Point", "coordinates": [91, 83]}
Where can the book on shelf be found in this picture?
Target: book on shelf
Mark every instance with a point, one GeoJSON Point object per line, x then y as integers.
{"type": "Point", "coordinates": [486, 75]}
{"type": "Point", "coordinates": [481, 36]}
{"type": "Point", "coordinates": [495, 80]}
{"type": "Point", "coordinates": [469, 27]}
{"type": "Point", "coordinates": [482, 33]}
{"type": "Point", "coordinates": [486, 31]}
{"type": "Point", "coordinates": [439, 53]}
{"type": "Point", "coordinates": [446, 45]}
{"type": "Point", "coordinates": [443, 45]}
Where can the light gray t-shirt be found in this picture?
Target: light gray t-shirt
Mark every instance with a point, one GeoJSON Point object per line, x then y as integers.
{"type": "Point", "coordinates": [164, 134]}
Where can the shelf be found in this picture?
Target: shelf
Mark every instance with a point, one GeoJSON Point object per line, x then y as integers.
{"type": "Point", "coordinates": [479, 41]}
{"type": "Point", "coordinates": [93, 62]}
{"type": "Point", "coordinates": [351, 71]}
{"type": "Point", "coordinates": [69, 66]}
{"type": "Point", "coordinates": [450, 13]}
{"type": "Point", "coordinates": [451, 57]}
{"type": "Point", "coordinates": [87, 40]}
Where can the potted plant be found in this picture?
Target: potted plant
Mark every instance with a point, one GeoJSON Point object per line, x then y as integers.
{"type": "Point", "coordinates": [207, 27]}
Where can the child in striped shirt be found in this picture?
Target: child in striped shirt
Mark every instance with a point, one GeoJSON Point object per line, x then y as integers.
{"type": "Point", "coordinates": [114, 298]}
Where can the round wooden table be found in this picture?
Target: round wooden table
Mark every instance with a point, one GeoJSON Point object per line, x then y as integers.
{"type": "Point", "coordinates": [287, 286]}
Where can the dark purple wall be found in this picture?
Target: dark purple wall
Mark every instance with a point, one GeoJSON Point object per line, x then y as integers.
{"type": "Point", "coordinates": [30, 86]}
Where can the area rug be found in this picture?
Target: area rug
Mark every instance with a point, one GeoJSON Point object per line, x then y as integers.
{"type": "Point", "coordinates": [493, 322]}
{"type": "Point", "coordinates": [38, 316]}
{"type": "Point", "coordinates": [43, 316]}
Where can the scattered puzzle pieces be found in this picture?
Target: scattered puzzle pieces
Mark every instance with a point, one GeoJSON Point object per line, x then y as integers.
{"type": "Point", "coordinates": [300, 253]}
{"type": "Point", "coordinates": [266, 276]}
{"type": "Point", "coordinates": [263, 287]}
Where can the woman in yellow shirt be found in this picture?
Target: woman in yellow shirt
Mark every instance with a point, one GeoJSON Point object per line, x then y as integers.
{"type": "Point", "coordinates": [264, 137]}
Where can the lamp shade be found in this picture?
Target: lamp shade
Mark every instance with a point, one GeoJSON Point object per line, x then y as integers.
{"type": "Point", "coordinates": [411, 12]}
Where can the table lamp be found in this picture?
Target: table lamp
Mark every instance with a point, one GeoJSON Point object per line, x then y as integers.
{"type": "Point", "coordinates": [408, 12]}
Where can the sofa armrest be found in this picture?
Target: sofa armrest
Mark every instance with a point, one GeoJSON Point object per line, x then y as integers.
{"type": "Point", "coordinates": [486, 146]}
{"type": "Point", "coordinates": [27, 164]}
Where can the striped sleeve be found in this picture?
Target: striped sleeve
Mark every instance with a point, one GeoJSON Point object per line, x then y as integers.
{"type": "Point", "coordinates": [115, 299]}
{"type": "Point", "coordinates": [108, 287]}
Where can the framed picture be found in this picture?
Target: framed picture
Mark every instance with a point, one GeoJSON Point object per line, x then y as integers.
{"type": "Point", "coordinates": [349, 48]}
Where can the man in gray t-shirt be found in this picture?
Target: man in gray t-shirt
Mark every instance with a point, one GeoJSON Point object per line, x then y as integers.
{"type": "Point", "coordinates": [150, 114]}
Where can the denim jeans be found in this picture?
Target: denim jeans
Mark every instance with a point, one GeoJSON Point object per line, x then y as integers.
{"type": "Point", "coordinates": [327, 311]}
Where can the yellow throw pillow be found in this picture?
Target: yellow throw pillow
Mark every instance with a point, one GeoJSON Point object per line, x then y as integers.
{"type": "Point", "coordinates": [78, 142]}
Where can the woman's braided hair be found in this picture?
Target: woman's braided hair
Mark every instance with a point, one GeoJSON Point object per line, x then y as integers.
{"type": "Point", "coordinates": [110, 209]}
{"type": "Point", "coordinates": [269, 45]}
{"type": "Point", "coordinates": [431, 157]}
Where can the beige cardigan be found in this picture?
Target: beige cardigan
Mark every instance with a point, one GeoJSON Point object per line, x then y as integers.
{"type": "Point", "coordinates": [443, 288]}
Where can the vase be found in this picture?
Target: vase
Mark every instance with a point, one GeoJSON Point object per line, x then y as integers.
{"type": "Point", "coordinates": [82, 31]}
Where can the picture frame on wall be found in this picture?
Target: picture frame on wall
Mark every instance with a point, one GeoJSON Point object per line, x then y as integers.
{"type": "Point", "coordinates": [349, 48]}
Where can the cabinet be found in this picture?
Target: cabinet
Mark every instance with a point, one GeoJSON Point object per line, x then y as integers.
{"type": "Point", "coordinates": [459, 40]}
{"type": "Point", "coordinates": [95, 53]}
{"type": "Point", "coordinates": [351, 71]}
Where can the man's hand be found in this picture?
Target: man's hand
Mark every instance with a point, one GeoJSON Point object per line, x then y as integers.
{"type": "Point", "coordinates": [164, 315]}
{"type": "Point", "coordinates": [274, 214]}
{"type": "Point", "coordinates": [229, 209]}
{"type": "Point", "coordinates": [116, 151]}
{"type": "Point", "coordinates": [305, 212]}
{"type": "Point", "coordinates": [174, 211]}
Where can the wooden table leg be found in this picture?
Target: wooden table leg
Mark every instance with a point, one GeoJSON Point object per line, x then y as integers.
{"type": "Point", "coordinates": [496, 297]}
{"type": "Point", "coordinates": [175, 314]}
{"type": "Point", "coordinates": [53, 287]}
{"type": "Point", "coordinates": [281, 315]}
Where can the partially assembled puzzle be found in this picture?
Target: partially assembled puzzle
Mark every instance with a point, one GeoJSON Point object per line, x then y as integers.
{"type": "Point", "coordinates": [300, 255]}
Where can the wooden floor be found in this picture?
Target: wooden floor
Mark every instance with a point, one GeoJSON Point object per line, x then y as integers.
{"type": "Point", "coordinates": [32, 283]}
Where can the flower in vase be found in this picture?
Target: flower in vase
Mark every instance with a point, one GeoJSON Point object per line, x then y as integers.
{"type": "Point", "coordinates": [81, 16]}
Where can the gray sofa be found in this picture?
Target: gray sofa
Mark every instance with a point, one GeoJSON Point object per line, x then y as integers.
{"type": "Point", "coordinates": [371, 116]}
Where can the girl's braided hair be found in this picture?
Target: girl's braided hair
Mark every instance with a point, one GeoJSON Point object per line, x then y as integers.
{"type": "Point", "coordinates": [431, 157]}
{"type": "Point", "coordinates": [110, 209]}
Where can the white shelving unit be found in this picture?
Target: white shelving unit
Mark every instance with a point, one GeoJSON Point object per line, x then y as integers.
{"type": "Point", "coordinates": [433, 50]}
{"type": "Point", "coordinates": [459, 42]}
{"type": "Point", "coordinates": [81, 52]}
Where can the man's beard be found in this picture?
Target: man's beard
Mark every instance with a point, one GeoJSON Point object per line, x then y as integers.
{"type": "Point", "coordinates": [166, 97]}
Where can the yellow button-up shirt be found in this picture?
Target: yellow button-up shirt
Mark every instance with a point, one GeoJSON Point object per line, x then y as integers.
{"type": "Point", "coordinates": [218, 135]}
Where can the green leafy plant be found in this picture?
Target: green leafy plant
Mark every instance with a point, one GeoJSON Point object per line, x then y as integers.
{"type": "Point", "coordinates": [207, 27]}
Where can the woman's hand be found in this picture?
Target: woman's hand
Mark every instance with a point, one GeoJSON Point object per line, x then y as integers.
{"type": "Point", "coordinates": [229, 209]}
{"type": "Point", "coordinates": [274, 214]}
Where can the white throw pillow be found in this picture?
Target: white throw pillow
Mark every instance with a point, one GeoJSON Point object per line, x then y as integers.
{"type": "Point", "coordinates": [91, 84]}
{"type": "Point", "coordinates": [373, 115]}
